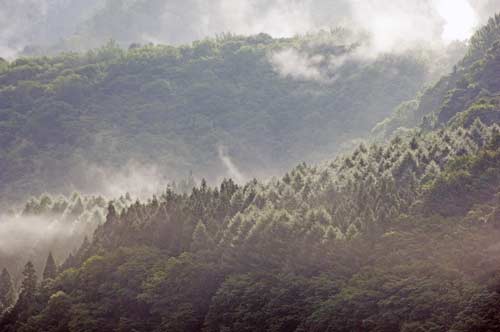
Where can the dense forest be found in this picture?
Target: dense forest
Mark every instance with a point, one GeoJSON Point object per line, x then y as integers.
{"type": "Point", "coordinates": [324, 248]}
{"type": "Point", "coordinates": [399, 234]}
{"type": "Point", "coordinates": [177, 108]}
{"type": "Point", "coordinates": [56, 224]}
{"type": "Point", "coordinates": [469, 92]}
{"type": "Point", "coordinates": [396, 231]}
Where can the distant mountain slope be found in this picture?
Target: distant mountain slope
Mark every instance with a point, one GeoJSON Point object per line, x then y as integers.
{"type": "Point", "coordinates": [191, 107]}
{"type": "Point", "coordinates": [471, 91]}
{"type": "Point", "coordinates": [403, 234]}
{"type": "Point", "coordinates": [399, 236]}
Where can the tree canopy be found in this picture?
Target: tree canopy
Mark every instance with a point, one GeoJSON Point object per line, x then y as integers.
{"type": "Point", "coordinates": [399, 235]}
{"type": "Point", "coordinates": [65, 118]}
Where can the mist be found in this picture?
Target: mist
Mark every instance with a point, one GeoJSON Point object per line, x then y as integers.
{"type": "Point", "coordinates": [29, 237]}
{"type": "Point", "coordinates": [44, 26]}
{"type": "Point", "coordinates": [27, 25]}
{"type": "Point", "coordinates": [139, 180]}
{"type": "Point", "coordinates": [232, 170]}
{"type": "Point", "coordinates": [247, 165]}
{"type": "Point", "coordinates": [28, 232]}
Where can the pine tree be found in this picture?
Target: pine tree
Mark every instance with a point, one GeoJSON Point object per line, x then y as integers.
{"type": "Point", "coordinates": [28, 288]}
{"type": "Point", "coordinates": [414, 143]}
{"type": "Point", "coordinates": [333, 234]}
{"type": "Point", "coordinates": [6, 290]}
{"type": "Point", "coordinates": [352, 232]}
{"type": "Point", "coordinates": [477, 132]}
{"type": "Point", "coordinates": [50, 271]}
{"type": "Point", "coordinates": [25, 305]}
{"type": "Point", "coordinates": [201, 239]}
{"type": "Point", "coordinates": [77, 208]}
{"type": "Point", "coordinates": [111, 215]}
{"type": "Point", "coordinates": [432, 170]}
{"type": "Point", "coordinates": [29, 284]}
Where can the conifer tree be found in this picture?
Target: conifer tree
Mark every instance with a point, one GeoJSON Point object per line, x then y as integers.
{"type": "Point", "coordinates": [352, 232]}
{"type": "Point", "coordinates": [333, 234]}
{"type": "Point", "coordinates": [111, 215]}
{"type": "Point", "coordinates": [6, 290]}
{"type": "Point", "coordinates": [29, 284]}
{"type": "Point", "coordinates": [23, 308]}
{"type": "Point", "coordinates": [50, 271]}
{"type": "Point", "coordinates": [77, 208]}
{"type": "Point", "coordinates": [201, 239]}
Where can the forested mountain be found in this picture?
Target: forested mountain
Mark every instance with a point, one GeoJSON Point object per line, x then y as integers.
{"type": "Point", "coordinates": [32, 27]}
{"type": "Point", "coordinates": [471, 91]}
{"type": "Point", "coordinates": [57, 225]}
{"type": "Point", "coordinates": [398, 232]}
{"type": "Point", "coordinates": [50, 224]}
{"type": "Point", "coordinates": [266, 103]}
{"type": "Point", "coordinates": [393, 236]}
{"type": "Point", "coordinates": [396, 237]}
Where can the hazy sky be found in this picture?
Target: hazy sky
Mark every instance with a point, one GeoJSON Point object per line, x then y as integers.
{"type": "Point", "coordinates": [460, 19]}
{"type": "Point", "coordinates": [89, 23]}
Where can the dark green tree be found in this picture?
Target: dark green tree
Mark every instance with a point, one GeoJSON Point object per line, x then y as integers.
{"type": "Point", "coordinates": [50, 271]}
{"type": "Point", "coordinates": [7, 295]}
{"type": "Point", "coordinates": [25, 307]}
{"type": "Point", "coordinates": [29, 284]}
{"type": "Point", "coordinates": [201, 239]}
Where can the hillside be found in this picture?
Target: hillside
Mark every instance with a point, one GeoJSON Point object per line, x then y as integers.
{"type": "Point", "coordinates": [399, 233]}
{"type": "Point", "coordinates": [471, 91]}
{"type": "Point", "coordinates": [50, 224]}
{"type": "Point", "coordinates": [399, 236]}
{"type": "Point", "coordinates": [338, 247]}
{"type": "Point", "coordinates": [231, 106]}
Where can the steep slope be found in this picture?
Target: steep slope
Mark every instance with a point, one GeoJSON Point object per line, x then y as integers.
{"type": "Point", "coordinates": [191, 108]}
{"type": "Point", "coordinates": [400, 236]}
{"type": "Point", "coordinates": [471, 91]}
{"type": "Point", "coordinates": [339, 247]}
{"type": "Point", "coordinates": [50, 224]}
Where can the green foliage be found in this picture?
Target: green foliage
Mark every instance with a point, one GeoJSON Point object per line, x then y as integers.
{"type": "Point", "coordinates": [201, 238]}
{"type": "Point", "coordinates": [7, 293]}
{"type": "Point", "coordinates": [266, 302]}
{"type": "Point", "coordinates": [467, 181]}
{"type": "Point", "coordinates": [65, 221]}
{"type": "Point", "coordinates": [28, 286]}
{"type": "Point", "coordinates": [175, 107]}
{"type": "Point", "coordinates": [27, 304]}
{"type": "Point", "coordinates": [470, 92]}
{"type": "Point", "coordinates": [395, 237]}
{"type": "Point", "coordinates": [339, 247]}
{"type": "Point", "coordinates": [50, 270]}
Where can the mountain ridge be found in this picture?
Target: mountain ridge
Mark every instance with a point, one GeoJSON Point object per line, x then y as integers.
{"type": "Point", "coordinates": [394, 236]}
{"type": "Point", "coordinates": [151, 104]}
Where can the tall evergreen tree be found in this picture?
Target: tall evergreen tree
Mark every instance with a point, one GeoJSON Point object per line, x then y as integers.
{"type": "Point", "coordinates": [6, 290]}
{"type": "Point", "coordinates": [201, 238]}
{"type": "Point", "coordinates": [25, 305]}
{"type": "Point", "coordinates": [50, 271]}
{"type": "Point", "coordinates": [29, 284]}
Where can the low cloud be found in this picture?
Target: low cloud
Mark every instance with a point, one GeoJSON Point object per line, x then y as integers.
{"type": "Point", "coordinates": [297, 65]}
{"type": "Point", "coordinates": [26, 238]}
{"type": "Point", "coordinates": [232, 170]}
{"type": "Point", "coordinates": [392, 24]}
{"type": "Point", "coordinates": [140, 180]}
{"type": "Point", "coordinates": [484, 9]}
{"type": "Point", "coordinates": [379, 28]}
{"type": "Point", "coordinates": [24, 233]}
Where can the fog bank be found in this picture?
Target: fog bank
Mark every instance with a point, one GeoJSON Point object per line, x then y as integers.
{"type": "Point", "coordinates": [53, 25]}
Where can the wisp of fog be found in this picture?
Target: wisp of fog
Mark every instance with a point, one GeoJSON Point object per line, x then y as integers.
{"type": "Point", "coordinates": [45, 25]}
